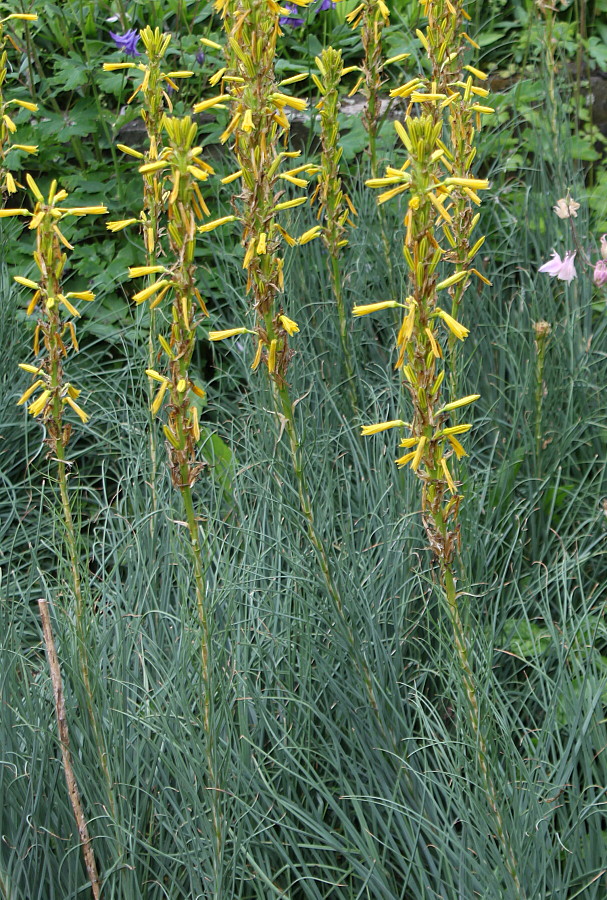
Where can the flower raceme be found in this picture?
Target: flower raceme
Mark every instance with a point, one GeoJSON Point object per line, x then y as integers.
{"type": "Point", "coordinates": [49, 387]}
{"type": "Point", "coordinates": [8, 126]}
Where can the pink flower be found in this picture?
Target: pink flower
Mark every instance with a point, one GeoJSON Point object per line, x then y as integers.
{"type": "Point", "coordinates": [604, 246]}
{"type": "Point", "coordinates": [564, 269]}
{"type": "Point", "coordinates": [600, 273]}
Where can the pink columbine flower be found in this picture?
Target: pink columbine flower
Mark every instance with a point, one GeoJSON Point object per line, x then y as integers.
{"type": "Point", "coordinates": [564, 269]}
{"type": "Point", "coordinates": [600, 273]}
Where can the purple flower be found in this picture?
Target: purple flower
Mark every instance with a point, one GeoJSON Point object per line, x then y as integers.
{"type": "Point", "coordinates": [564, 269]}
{"type": "Point", "coordinates": [294, 20]}
{"type": "Point", "coordinates": [200, 57]}
{"type": "Point", "coordinates": [127, 41]}
{"type": "Point", "coordinates": [600, 273]}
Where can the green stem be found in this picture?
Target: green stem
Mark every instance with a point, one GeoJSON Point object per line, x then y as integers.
{"type": "Point", "coordinates": [284, 406]}
{"type": "Point", "coordinates": [207, 678]}
{"type": "Point", "coordinates": [468, 681]}
{"type": "Point", "coordinates": [344, 331]}
{"type": "Point", "coordinates": [70, 540]}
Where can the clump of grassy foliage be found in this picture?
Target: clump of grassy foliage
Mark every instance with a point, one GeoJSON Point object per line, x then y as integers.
{"type": "Point", "coordinates": [317, 799]}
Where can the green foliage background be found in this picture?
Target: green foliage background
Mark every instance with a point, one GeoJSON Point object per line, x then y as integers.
{"type": "Point", "coordinates": [323, 799]}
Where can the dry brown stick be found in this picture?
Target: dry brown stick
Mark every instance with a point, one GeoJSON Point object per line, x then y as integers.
{"type": "Point", "coordinates": [64, 738]}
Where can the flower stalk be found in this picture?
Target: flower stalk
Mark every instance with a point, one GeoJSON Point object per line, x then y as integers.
{"type": "Point", "coordinates": [51, 395]}
{"type": "Point", "coordinates": [8, 128]}
{"type": "Point", "coordinates": [257, 122]}
{"type": "Point", "coordinates": [335, 207]}
{"type": "Point", "coordinates": [440, 187]}
{"type": "Point", "coordinates": [184, 168]}
{"type": "Point", "coordinates": [371, 17]}
{"type": "Point", "coordinates": [542, 331]}
{"type": "Point", "coordinates": [153, 89]}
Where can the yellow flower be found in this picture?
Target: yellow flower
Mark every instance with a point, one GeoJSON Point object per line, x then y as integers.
{"type": "Point", "coordinates": [148, 292]}
{"type": "Point", "coordinates": [247, 122]}
{"type": "Point", "coordinates": [211, 102]}
{"type": "Point", "coordinates": [226, 333]}
{"type": "Point", "coordinates": [26, 282]}
{"type": "Point", "coordinates": [289, 325]}
{"type": "Point", "coordinates": [366, 430]}
{"type": "Point", "coordinates": [367, 308]}
{"type": "Point", "coordinates": [453, 325]}
{"type": "Point", "coordinates": [119, 224]}
{"type": "Point", "coordinates": [77, 409]}
{"type": "Point", "coordinates": [456, 404]}
{"type": "Point", "coordinates": [138, 271]}
{"type": "Point", "coordinates": [210, 226]}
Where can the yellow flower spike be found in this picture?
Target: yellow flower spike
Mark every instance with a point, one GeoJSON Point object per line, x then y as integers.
{"type": "Point", "coordinates": [289, 325]}
{"type": "Point", "coordinates": [272, 356]}
{"type": "Point", "coordinates": [39, 404]}
{"type": "Point", "coordinates": [139, 271]}
{"type": "Point", "coordinates": [31, 390]}
{"type": "Point", "coordinates": [210, 226]}
{"type": "Point", "coordinates": [367, 430]}
{"type": "Point", "coordinates": [367, 308]}
{"type": "Point", "coordinates": [77, 409]}
{"type": "Point", "coordinates": [448, 476]}
{"type": "Point", "coordinates": [211, 102]}
{"type": "Point", "coordinates": [148, 292]}
{"type": "Point", "coordinates": [129, 151]}
{"type": "Point", "coordinates": [119, 224]}
{"type": "Point", "coordinates": [227, 333]}
{"type": "Point", "coordinates": [455, 327]}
